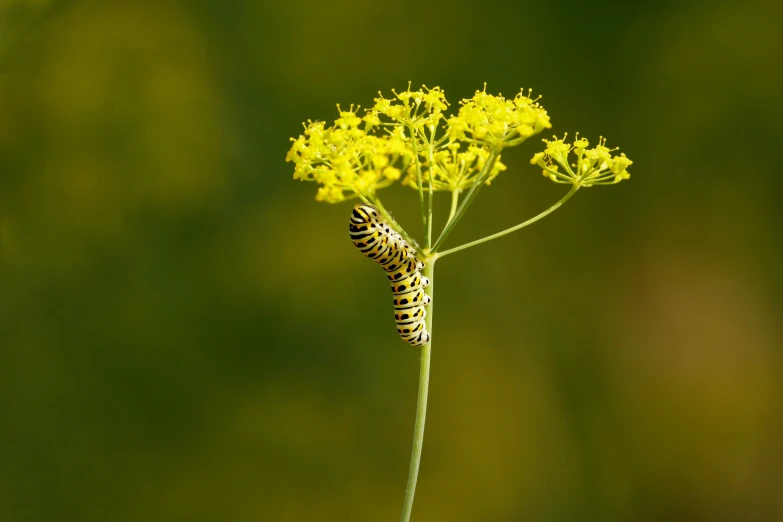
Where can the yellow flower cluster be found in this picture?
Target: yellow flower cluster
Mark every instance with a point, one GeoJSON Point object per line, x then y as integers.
{"type": "Point", "coordinates": [422, 109]}
{"type": "Point", "coordinates": [496, 121]}
{"type": "Point", "coordinates": [346, 160]}
{"type": "Point", "coordinates": [358, 155]}
{"type": "Point", "coordinates": [596, 166]}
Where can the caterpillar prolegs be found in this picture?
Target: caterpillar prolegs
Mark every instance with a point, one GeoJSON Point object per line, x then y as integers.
{"type": "Point", "coordinates": [377, 240]}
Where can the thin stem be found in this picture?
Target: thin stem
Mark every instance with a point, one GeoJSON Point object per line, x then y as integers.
{"type": "Point", "coordinates": [376, 202]}
{"type": "Point", "coordinates": [415, 146]}
{"type": "Point", "coordinates": [454, 201]}
{"type": "Point", "coordinates": [515, 228]}
{"type": "Point", "coordinates": [421, 405]}
{"type": "Point", "coordinates": [430, 160]}
{"type": "Point", "coordinates": [480, 179]}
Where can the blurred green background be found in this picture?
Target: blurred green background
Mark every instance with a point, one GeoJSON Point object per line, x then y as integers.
{"type": "Point", "coordinates": [185, 334]}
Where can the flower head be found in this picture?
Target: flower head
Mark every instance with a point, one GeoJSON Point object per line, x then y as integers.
{"type": "Point", "coordinates": [408, 136]}
{"type": "Point", "coordinates": [345, 159]}
{"type": "Point", "coordinates": [420, 109]}
{"type": "Point", "coordinates": [496, 121]}
{"type": "Point", "coordinates": [595, 166]}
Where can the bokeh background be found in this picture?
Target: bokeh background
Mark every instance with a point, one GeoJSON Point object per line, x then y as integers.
{"type": "Point", "coordinates": [185, 334]}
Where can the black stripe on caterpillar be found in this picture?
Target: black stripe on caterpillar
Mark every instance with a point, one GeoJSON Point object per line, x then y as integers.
{"type": "Point", "coordinates": [377, 240]}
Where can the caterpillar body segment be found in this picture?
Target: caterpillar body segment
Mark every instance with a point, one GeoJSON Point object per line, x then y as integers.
{"type": "Point", "coordinates": [377, 240]}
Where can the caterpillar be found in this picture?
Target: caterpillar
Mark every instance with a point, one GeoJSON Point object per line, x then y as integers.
{"type": "Point", "coordinates": [377, 240]}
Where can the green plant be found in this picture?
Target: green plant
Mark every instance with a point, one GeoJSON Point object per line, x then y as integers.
{"type": "Point", "coordinates": [410, 134]}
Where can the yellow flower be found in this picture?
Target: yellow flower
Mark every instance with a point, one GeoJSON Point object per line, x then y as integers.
{"type": "Point", "coordinates": [409, 132]}
{"type": "Point", "coordinates": [420, 109]}
{"type": "Point", "coordinates": [392, 173]}
{"type": "Point", "coordinates": [345, 159]}
{"type": "Point", "coordinates": [496, 121]}
{"type": "Point", "coordinates": [596, 166]}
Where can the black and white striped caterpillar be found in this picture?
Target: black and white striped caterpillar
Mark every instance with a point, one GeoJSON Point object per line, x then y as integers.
{"type": "Point", "coordinates": [377, 240]}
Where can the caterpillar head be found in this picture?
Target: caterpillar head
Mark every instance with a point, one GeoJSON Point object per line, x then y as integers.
{"type": "Point", "coordinates": [365, 212]}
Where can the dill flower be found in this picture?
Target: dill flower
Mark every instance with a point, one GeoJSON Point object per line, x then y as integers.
{"type": "Point", "coordinates": [496, 121]}
{"type": "Point", "coordinates": [408, 137]}
{"type": "Point", "coordinates": [420, 109]}
{"type": "Point", "coordinates": [595, 166]}
{"type": "Point", "coordinates": [346, 160]}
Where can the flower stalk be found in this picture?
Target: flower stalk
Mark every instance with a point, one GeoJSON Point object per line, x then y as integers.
{"type": "Point", "coordinates": [421, 404]}
{"type": "Point", "coordinates": [454, 202]}
{"type": "Point", "coordinates": [416, 161]}
{"type": "Point", "coordinates": [514, 228]}
{"type": "Point", "coordinates": [480, 180]}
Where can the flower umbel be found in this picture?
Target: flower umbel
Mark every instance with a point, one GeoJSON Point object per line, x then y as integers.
{"type": "Point", "coordinates": [596, 166]}
{"type": "Point", "coordinates": [409, 133]}
{"type": "Point", "coordinates": [496, 121]}
{"type": "Point", "coordinates": [345, 159]}
{"type": "Point", "coordinates": [422, 108]}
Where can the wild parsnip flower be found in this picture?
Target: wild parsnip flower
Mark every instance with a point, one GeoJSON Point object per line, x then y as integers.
{"type": "Point", "coordinates": [496, 121]}
{"type": "Point", "coordinates": [346, 160]}
{"type": "Point", "coordinates": [596, 166]}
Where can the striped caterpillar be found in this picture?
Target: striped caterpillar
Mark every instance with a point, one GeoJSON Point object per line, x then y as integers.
{"type": "Point", "coordinates": [377, 240]}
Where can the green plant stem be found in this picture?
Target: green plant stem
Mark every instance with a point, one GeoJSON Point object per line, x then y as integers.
{"type": "Point", "coordinates": [430, 161]}
{"type": "Point", "coordinates": [415, 147]}
{"type": "Point", "coordinates": [515, 228]}
{"type": "Point", "coordinates": [376, 202]}
{"type": "Point", "coordinates": [454, 201]}
{"type": "Point", "coordinates": [421, 404]}
{"type": "Point", "coordinates": [480, 180]}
